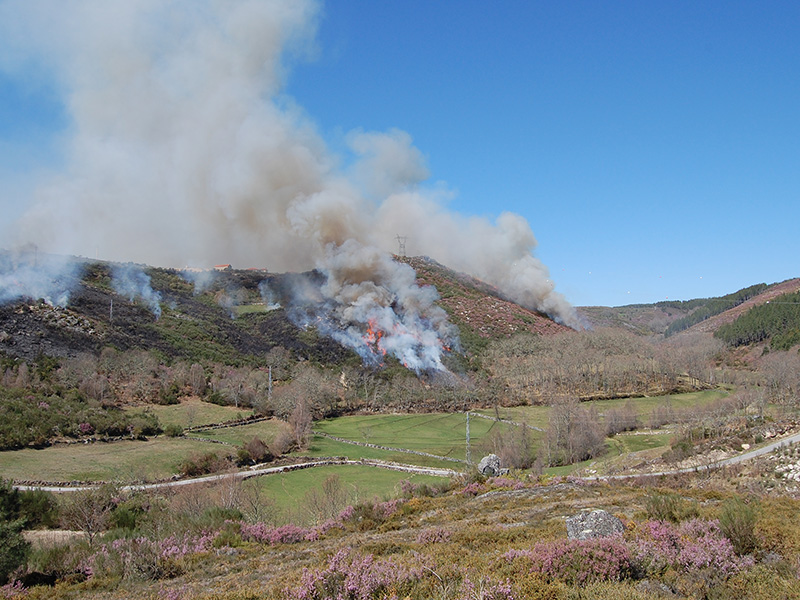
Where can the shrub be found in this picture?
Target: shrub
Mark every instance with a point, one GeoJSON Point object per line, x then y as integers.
{"type": "Point", "coordinates": [355, 577]}
{"type": "Point", "coordinates": [485, 590]}
{"type": "Point", "coordinates": [254, 451]}
{"type": "Point", "coordinates": [202, 464]}
{"type": "Point", "coordinates": [144, 558]}
{"type": "Point", "coordinates": [505, 483]}
{"type": "Point", "coordinates": [13, 548]}
{"type": "Point", "coordinates": [436, 535]}
{"type": "Point", "coordinates": [668, 506]}
{"type": "Point", "coordinates": [693, 547]}
{"type": "Point", "coordinates": [286, 534]}
{"type": "Point", "coordinates": [578, 562]}
{"type": "Point", "coordinates": [173, 430]}
{"type": "Point", "coordinates": [38, 508]}
{"type": "Point", "coordinates": [737, 522]}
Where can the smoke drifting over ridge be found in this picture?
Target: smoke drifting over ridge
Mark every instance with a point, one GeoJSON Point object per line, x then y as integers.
{"type": "Point", "coordinates": [183, 151]}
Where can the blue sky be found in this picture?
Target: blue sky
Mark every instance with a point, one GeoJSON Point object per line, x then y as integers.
{"type": "Point", "coordinates": [654, 148]}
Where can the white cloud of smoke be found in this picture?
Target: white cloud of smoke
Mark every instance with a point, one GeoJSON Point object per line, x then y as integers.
{"type": "Point", "coordinates": [183, 151]}
{"type": "Point", "coordinates": [132, 282]}
{"type": "Point", "coordinates": [27, 273]}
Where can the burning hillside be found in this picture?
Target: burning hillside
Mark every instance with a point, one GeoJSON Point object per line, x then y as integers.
{"type": "Point", "coordinates": [197, 151]}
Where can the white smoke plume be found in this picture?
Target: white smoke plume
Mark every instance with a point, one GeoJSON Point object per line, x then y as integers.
{"type": "Point", "coordinates": [29, 274]}
{"type": "Point", "coordinates": [201, 279]}
{"type": "Point", "coordinates": [132, 282]}
{"type": "Point", "coordinates": [372, 304]}
{"type": "Point", "coordinates": [183, 150]}
{"type": "Point", "coordinates": [268, 296]}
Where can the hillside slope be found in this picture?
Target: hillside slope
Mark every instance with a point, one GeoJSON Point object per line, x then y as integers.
{"type": "Point", "coordinates": [230, 318]}
{"type": "Point", "coordinates": [711, 324]}
{"type": "Point", "coordinates": [660, 318]}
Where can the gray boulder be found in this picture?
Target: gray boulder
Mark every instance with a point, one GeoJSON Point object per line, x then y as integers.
{"type": "Point", "coordinates": [595, 524]}
{"type": "Point", "coordinates": [490, 465]}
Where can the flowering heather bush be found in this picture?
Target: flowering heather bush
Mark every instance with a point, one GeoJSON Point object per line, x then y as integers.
{"type": "Point", "coordinates": [346, 514]}
{"type": "Point", "coordinates": [387, 509]}
{"type": "Point", "coordinates": [13, 589]}
{"type": "Point", "coordinates": [286, 534]}
{"type": "Point", "coordinates": [693, 545]}
{"type": "Point", "coordinates": [472, 489]}
{"type": "Point", "coordinates": [292, 534]}
{"type": "Point", "coordinates": [355, 577]}
{"type": "Point", "coordinates": [408, 489]}
{"type": "Point", "coordinates": [145, 558]}
{"type": "Point", "coordinates": [437, 535]}
{"type": "Point", "coordinates": [578, 562]}
{"type": "Point", "coordinates": [505, 483]}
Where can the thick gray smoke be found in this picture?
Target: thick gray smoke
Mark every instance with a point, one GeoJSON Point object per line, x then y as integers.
{"type": "Point", "coordinates": [183, 151]}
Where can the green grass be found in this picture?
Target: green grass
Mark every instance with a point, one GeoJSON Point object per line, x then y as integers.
{"type": "Point", "coordinates": [361, 484]}
{"type": "Point", "coordinates": [193, 413]}
{"type": "Point", "coordinates": [156, 458]}
{"type": "Point", "coordinates": [436, 433]}
{"type": "Point", "coordinates": [322, 446]}
{"type": "Point", "coordinates": [439, 434]}
{"type": "Point", "coordinates": [247, 309]}
{"type": "Point", "coordinates": [644, 441]}
{"type": "Point", "coordinates": [264, 430]}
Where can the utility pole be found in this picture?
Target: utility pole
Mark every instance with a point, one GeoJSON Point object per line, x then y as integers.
{"type": "Point", "coordinates": [401, 241]}
{"type": "Point", "coordinates": [469, 454]}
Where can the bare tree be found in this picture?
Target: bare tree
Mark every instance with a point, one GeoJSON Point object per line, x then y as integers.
{"type": "Point", "coordinates": [300, 422]}
{"type": "Point", "coordinates": [573, 434]}
{"type": "Point", "coordinates": [622, 419]}
{"type": "Point", "coordinates": [513, 444]}
{"type": "Point", "coordinates": [254, 503]}
{"type": "Point", "coordinates": [197, 379]}
{"type": "Point", "coordinates": [327, 501]}
{"type": "Point", "coordinates": [88, 510]}
{"type": "Point", "coordinates": [662, 415]}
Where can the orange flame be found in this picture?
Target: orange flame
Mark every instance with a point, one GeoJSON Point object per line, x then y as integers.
{"type": "Point", "coordinates": [373, 337]}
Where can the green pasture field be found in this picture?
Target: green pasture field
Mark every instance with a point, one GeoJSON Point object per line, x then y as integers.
{"type": "Point", "coordinates": [322, 446]}
{"type": "Point", "coordinates": [241, 434]}
{"type": "Point", "coordinates": [436, 433]}
{"type": "Point", "coordinates": [125, 461]}
{"type": "Point", "coordinates": [360, 484]}
{"type": "Point", "coordinates": [193, 413]}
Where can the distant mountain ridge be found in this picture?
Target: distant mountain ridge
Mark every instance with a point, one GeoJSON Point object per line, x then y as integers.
{"type": "Point", "coordinates": [702, 315]}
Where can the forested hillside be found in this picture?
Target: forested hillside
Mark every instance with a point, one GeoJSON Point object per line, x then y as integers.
{"type": "Point", "coordinates": [704, 308]}
{"type": "Point", "coordinates": [777, 321]}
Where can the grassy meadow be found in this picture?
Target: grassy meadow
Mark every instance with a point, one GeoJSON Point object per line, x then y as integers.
{"type": "Point", "coordinates": [358, 484]}
{"type": "Point", "coordinates": [193, 413]}
{"type": "Point", "coordinates": [129, 460]}
{"type": "Point", "coordinates": [433, 433]}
